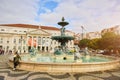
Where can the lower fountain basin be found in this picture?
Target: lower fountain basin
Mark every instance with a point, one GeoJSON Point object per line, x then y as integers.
{"type": "Point", "coordinates": [45, 64]}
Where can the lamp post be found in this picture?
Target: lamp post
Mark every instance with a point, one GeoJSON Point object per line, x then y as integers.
{"type": "Point", "coordinates": [82, 31]}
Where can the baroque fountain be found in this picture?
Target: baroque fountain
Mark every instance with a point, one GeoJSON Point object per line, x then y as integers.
{"type": "Point", "coordinates": [63, 39]}
{"type": "Point", "coordinates": [64, 60]}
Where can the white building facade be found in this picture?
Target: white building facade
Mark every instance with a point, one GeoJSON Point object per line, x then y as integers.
{"type": "Point", "coordinates": [22, 37]}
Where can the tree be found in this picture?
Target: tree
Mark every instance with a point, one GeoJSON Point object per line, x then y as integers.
{"type": "Point", "coordinates": [94, 43]}
{"type": "Point", "coordinates": [109, 41]}
{"type": "Point", "coordinates": [84, 43]}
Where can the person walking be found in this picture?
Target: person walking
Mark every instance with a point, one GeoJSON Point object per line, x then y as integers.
{"type": "Point", "coordinates": [16, 59]}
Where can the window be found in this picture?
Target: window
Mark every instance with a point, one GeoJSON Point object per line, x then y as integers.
{"type": "Point", "coordinates": [51, 42]}
{"type": "Point", "coordinates": [1, 40]}
{"type": "Point", "coordinates": [39, 40]}
{"type": "Point", "coordinates": [15, 30]}
{"type": "Point", "coordinates": [23, 47]}
{"type": "Point", "coordinates": [19, 40]}
{"type": "Point", "coordinates": [55, 42]}
{"type": "Point", "coordinates": [43, 40]}
{"type": "Point", "coordinates": [14, 47]}
{"type": "Point", "coordinates": [24, 41]}
{"type": "Point", "coordinates": [19, 47]}
{"type": "Point", "coordinates": [7, 47]}
{"type": "Point", "coordinates": [14, 41]}
{"type": "Point", "coordinates": [7, 41]}
{"type": "Point", "coordinates": [2, 30]}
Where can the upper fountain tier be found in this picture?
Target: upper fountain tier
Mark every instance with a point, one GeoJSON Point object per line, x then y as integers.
{"type": "Point", "coordinates": [63, 39]}
{"type": "Point", "coordinates": [63, 23]}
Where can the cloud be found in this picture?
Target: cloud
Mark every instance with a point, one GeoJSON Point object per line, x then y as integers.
{"type": "Point", "coordinates": [17, 11]}
{"type": "Point", "coordinates": [94, 15]}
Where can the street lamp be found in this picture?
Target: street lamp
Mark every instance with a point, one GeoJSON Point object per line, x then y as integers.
{"type": "Point", "coordinates": [82, 31]}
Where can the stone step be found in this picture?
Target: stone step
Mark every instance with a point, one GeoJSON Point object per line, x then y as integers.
{"type": "Point", "coordinates": [3, 65]}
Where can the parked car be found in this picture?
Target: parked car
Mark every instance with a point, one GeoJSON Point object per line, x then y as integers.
{"type": "Point", "coordinates": [100, 51]}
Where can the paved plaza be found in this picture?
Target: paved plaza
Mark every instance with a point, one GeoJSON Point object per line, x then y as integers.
{"type": "Point", "coordinates": [6, 73]}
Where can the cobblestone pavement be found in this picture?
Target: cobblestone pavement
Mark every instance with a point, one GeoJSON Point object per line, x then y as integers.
{"type": "Point", "coordinates": [6, 73]}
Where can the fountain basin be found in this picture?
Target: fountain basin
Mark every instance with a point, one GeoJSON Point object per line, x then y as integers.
{"type": "Point", "coordinates": [68, 67]}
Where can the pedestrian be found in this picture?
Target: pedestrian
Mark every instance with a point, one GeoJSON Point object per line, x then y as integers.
{"type": "Point", "coordinates": [16, 59]}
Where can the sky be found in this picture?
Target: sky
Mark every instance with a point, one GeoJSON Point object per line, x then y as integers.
{"type": "Point", "coordinates": [93, 15]}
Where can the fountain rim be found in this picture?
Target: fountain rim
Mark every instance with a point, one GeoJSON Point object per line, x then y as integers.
{"type": "Point", "coordinates": [114, 60]}
{"type": "Point", "coordinates": [47, 63]}
{"type": "Point", "coordinates": [67, 67]}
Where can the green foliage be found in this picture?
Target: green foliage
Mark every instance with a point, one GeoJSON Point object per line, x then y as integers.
{"type": "Point", "coordinates": [94, 43]}
{"type": "Point", "coordinates": [108, 41]}
{"type": "Point", "coordinates": [84, 43]}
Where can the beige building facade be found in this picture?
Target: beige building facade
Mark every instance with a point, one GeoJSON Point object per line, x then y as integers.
{"type": "Point", "coordinates": [115, 29]}
{"type": "Point", "coordinates": [93, 35]}
{"type": "Point", "coordinates": [22, 37]}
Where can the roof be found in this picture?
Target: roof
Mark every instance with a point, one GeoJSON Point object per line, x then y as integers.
{"type": "Point", "coordinates": [111, 28]}
{"type": "Point", "coordinates": [30, 26]}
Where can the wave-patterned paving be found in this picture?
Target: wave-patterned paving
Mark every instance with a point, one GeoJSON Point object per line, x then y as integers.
{"type": "Point", "coordinates": [9, 74]}
{"type": "Point", "coordinates": [6, 73]}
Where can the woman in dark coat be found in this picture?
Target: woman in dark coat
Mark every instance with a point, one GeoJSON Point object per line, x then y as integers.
{"type": "Point", "coordinates": [16, 60]}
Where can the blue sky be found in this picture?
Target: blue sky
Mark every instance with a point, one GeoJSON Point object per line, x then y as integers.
{"type": "Point", "coordinates": [94, 15]}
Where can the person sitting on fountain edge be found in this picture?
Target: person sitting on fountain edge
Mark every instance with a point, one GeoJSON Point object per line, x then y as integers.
{"type": "Point", "coordinates": [16, 59]}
